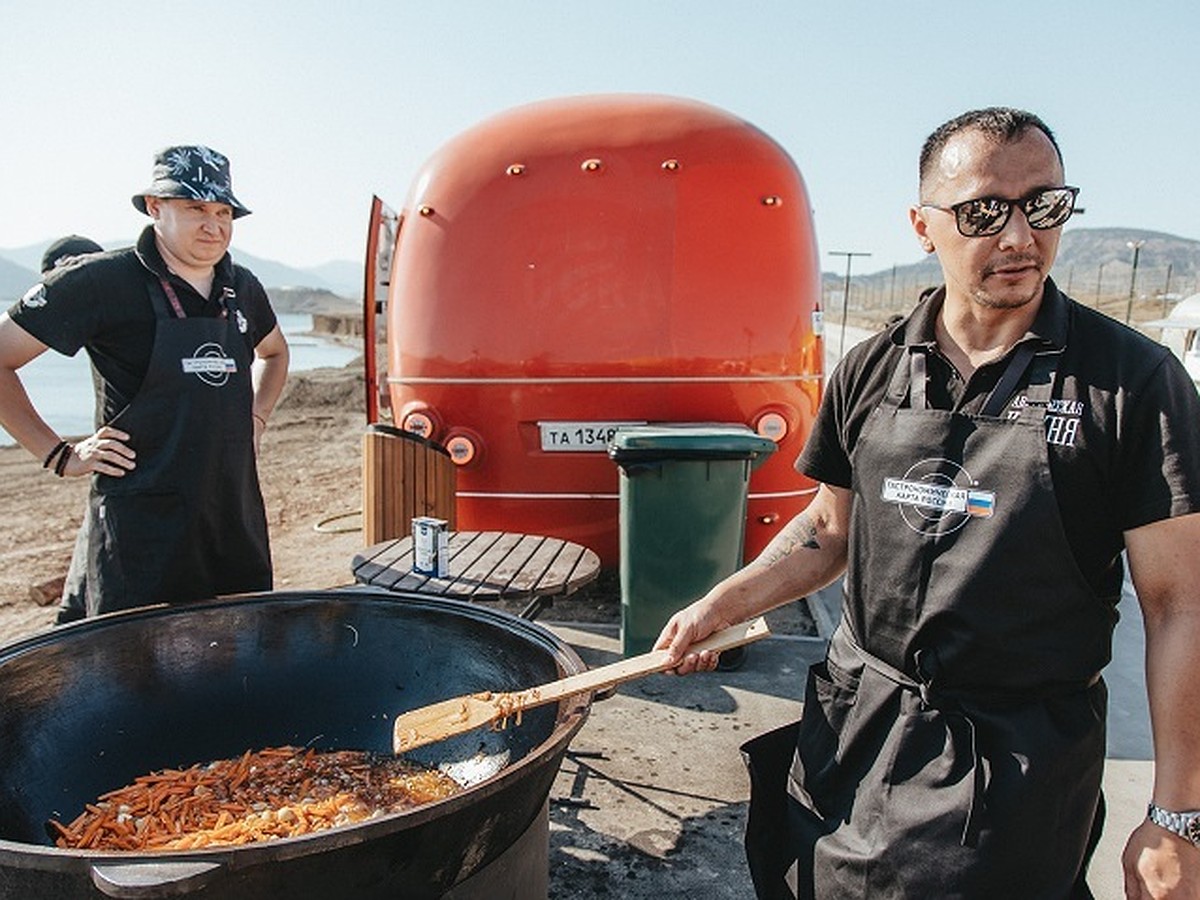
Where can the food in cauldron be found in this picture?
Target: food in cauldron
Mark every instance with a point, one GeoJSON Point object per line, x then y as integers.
{"type": "Point", "coordinates": [274, 793]}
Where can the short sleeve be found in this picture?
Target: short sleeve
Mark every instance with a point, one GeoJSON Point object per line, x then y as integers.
{"type": "Point", "coordinates": [1159, 455]}
{"type": "Point", "coordinates": [61, 311]}
{"type": "Point", "coordinates": [825, 458]}
{"type": "Point", "coordinates": [256, 305]}
{"type": "Point", "coordinates": [854, 389]}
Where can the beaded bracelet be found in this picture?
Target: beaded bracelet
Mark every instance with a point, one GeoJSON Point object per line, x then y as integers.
{"type": "Point", "coordinates": [53, 453]}
{"type": "Point", "coordinates": [60, 467]}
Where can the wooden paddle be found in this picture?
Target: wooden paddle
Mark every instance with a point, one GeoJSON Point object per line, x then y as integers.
{"type": "Point", "coordinates": [438, 721]}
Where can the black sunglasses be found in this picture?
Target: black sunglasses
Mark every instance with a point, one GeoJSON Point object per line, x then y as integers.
{"type": "Point", "coordinates": [1046, 208]}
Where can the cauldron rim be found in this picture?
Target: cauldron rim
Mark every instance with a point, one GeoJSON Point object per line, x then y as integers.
{"type": "Point", "coordinates": [571, 717]}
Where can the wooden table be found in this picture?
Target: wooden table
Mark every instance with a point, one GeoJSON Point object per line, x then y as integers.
{"type": "Point", "coordinates": [485, 565]}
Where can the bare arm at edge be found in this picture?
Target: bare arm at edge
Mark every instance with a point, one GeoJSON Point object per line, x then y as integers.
{"type": "Point", "coordinates": [268, 375]}
{"type": "Point", "coordinates": [105, 451]}
{"type": "Point", "coordinates": [1165, 567]}
{"type": "Point", "coordinates": [17, 413]}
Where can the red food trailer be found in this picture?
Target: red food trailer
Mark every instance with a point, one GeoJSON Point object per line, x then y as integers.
{"type": "Point", "coordinates": [573, 265]}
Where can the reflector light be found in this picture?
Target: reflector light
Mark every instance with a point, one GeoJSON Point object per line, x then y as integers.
{"type": "Point", "coordinates": [418, 423]}
{"type": "Point", "coordinates": [772, 425]}
{"type": "Point", "coordinates": [461, 449]}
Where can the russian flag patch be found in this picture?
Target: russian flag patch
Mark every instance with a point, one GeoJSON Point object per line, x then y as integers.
{"type": "Point", "coordinates": [981, 503]}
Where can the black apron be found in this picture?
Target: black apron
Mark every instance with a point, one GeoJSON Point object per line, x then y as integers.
{"type": "Point", "coordinates": [952, 742]}
{"type": "Point", "coordinates": [188, 522]}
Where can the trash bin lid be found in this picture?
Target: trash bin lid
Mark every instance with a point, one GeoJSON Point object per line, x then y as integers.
{"type": "Point", "coordinates": [649, 443]}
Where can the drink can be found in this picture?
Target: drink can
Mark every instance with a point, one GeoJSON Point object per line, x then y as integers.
{"type": "Point", "coordinates": [430, 546]}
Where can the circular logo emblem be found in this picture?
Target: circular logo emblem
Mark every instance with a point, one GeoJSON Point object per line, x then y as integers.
{"type": "Point", "coordinates": [210, 364]}
{"type": "Point", "coordinates": [934, 495]}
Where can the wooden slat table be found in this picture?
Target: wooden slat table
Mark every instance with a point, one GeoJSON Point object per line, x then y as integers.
{"type": "Point", "coordinates": [485, 565]}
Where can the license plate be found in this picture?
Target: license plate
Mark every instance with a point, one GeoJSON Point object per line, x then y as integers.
{"type": "Point", "coordinates": [579, 437]}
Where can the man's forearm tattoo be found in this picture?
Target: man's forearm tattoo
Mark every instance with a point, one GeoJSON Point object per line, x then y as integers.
{"type": "Point", "coordinates": [800, 532]}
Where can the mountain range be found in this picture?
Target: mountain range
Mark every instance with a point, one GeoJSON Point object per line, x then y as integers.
{"type": "Point", "coordinates": [1090, 261]}
{"type": "Point", "coordinates": [19, 270]}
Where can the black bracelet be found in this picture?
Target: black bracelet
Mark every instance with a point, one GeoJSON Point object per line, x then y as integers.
{"type": "Point", "coordinates": [53, 453]}
{"type": "Point", "coordinates": [60, 467]}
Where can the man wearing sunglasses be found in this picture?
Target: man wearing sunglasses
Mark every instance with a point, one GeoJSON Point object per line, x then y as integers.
{"type": "Point", "coordinates": [983, 464]}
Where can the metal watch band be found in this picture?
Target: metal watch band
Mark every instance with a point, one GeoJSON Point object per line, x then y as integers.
{"type": "Point", "coordinates": [1184, 824]}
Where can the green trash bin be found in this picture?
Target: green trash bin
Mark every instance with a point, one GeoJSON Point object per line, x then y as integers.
{"type": "Point", "coordinates": [683, 495]}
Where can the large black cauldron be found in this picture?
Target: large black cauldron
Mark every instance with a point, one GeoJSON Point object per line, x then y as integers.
{"type": "Point", "coordinates": [88, 707]}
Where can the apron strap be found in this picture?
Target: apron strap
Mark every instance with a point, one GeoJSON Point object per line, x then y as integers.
{"type": "Point", "coordinates": [886, 669]}
{"type": "Point", "coordinates": [1004, 388]}
{"type": "Point", "coordinates": [158, 300]}
{"type": "Point", "coordinates": [898, 385]}
{"type": "Point", "coordinates": [172, 298]}
{"type": "Point", "coordinates": [918, 365]}
{"type": "Point", "coordinates": [166, 305]}
{"type": "Point", "coordinates": [1041, 377]}
{"type": "Point", "coordinates": [1018, 364]}
{"type": "Point", "coordinates": [226, 301]}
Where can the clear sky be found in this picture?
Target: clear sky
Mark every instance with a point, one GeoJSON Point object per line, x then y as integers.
{"type": "Point", "coordinates": [321, 104]}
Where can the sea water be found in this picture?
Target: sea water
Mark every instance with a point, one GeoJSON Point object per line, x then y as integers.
{"type": "Point", "coordinates": [61, 386]}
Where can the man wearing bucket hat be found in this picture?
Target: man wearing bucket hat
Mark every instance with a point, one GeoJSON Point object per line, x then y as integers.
{"type": "Point", "coordinates": [189, 363]}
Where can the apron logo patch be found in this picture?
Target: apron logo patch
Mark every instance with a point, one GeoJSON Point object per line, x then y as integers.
{"type": "Point", "coordinates": [938, 496]}
{"type": "Point", "coordinates": [210, 364]}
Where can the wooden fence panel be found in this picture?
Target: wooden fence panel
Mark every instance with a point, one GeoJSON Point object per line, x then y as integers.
{"type": "Point", "coordinates": [404, 476]}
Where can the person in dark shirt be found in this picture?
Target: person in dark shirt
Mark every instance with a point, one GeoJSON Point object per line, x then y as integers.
{"type": "Point", "coordinates": [189, 362]}
{"type": "Point", "coordinates": [60, 253]}
{"type": "Point", "coordinates": [65, 249]}
{"type": "Point", "coordinates": [987, 466]}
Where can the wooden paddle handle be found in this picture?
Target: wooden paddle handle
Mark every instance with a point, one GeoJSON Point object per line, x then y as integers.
{"type": "Point", "coordinates": [638, 666]}
{"type": "Point", "coordinates": [457, 715]}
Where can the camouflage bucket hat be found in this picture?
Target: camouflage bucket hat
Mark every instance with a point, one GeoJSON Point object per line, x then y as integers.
{"type": "Point", "coordinates": [191, 172]}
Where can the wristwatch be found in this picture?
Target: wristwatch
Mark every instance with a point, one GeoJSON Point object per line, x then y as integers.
{"type": "Point", "coordinates": [1184, 824]}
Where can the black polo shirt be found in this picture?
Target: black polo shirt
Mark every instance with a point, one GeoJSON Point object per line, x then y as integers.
{"type": "Point", "coordinates": [102, 304]}
{"type": "Point", "coordinates": [1123, 429]}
